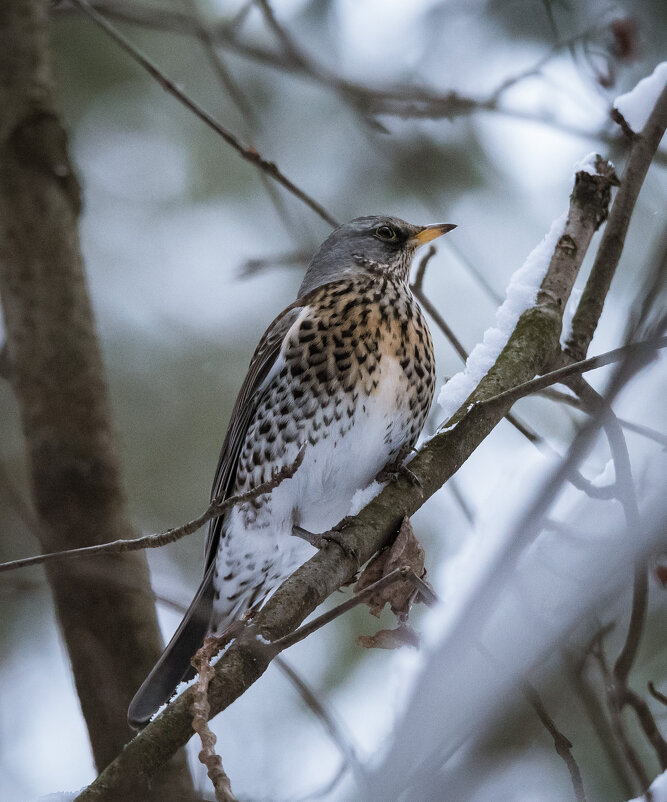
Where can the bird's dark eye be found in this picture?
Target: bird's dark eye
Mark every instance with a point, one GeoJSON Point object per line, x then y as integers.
{"type": "Point", "coordinates": [386, 233]}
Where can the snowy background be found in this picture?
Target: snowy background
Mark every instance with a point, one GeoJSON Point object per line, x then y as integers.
{"type": "Point", "coordinates": [171, 216]}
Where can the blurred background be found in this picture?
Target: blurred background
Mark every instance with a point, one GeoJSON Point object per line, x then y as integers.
{"type": "Point", "coordinates": [191, 252]}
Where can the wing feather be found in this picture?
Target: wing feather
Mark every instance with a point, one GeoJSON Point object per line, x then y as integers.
{"type": "Point", "coordinates": [261, 369]}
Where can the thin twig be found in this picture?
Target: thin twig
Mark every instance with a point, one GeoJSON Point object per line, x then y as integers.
{"type": "Point", "coordinates": [214, 510]}
{"type": "Point", "coordinates": [249, 154]}
{"type": "Point", "coordinates": [616, 722]}
{"type": "Point", "coordinates": [562, 744]}
{"type": "Point", "coordinates": [588, 312]}
{"type": "Point", "coordinates": [619, 692]}
{"type": "Point", "coordinates": [399, 575]}
{"type": "Point", "coordinates": [200, 716]}
{"type": "Point", "coordinates": [257, 264]}
{"type": "Point", "coordinates": [655, 693]}
{"type": "Point", "coordinates": [341, 739]}
{"type": "Point", "coordinates": [594, 709]}
{"type": "Point", "coordinates": [225, 78]}
{"type": "Point", "coordinates": [643, 350]}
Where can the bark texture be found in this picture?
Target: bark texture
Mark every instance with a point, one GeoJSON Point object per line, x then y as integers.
{"type": "Point", "coordinates": [104, 606]}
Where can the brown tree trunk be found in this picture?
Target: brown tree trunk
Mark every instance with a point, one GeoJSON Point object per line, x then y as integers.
{"type": "Point", "coordinates": [104, 606]}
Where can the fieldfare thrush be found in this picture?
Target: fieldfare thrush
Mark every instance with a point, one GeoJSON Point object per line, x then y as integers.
{"type": "Point", "coordinates": [346, 375]}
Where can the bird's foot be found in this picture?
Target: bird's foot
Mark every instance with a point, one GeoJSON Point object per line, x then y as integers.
{"type": "Point", "coordinates": [393, 472]}
{"type": "Point", "coordinates": [321, 540]}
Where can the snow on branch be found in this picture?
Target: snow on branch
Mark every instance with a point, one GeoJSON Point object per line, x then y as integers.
{"type": "Point", "coordinates": [521, 294]}
{"type": "Point", "coordinates": [636, 106]}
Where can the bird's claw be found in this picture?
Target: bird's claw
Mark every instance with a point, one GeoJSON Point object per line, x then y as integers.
{"type": "Point", "coordinates": [321, 540]}
{"type": "Point", "coordinates": [392, 473]}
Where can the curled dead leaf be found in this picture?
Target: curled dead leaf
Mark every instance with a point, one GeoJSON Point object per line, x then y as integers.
{"type": "Point", "coordinates": [403, 635]}
{"type": "Point", "coordinates": [404, 552]}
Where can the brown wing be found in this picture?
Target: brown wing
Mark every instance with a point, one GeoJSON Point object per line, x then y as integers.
{"type": "Point", "coordinates": [174, 663]}
{"type": "Point", "coordinates": [250, 395]}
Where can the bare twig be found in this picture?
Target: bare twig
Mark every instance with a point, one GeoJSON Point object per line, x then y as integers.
{"type": "Point", "coordinates": [616, 722]}
{"type": "Point", "coordinates": [340, 738]}
{"type": "Point", "coordinates": [643, 350]}
{"type": "Point", "coordinates": [256, 265]}
{"type": "Point", "coordinates": [214, 510]}
{"type": "Point", "coordinates": [620, 691]}
{"type": "Point", "coordinates": [399, 575]}
{"type": "Point", "coordinates": [200, 715]}
{"type": "Point", "coordinates": [655, 693]}
{"type": "Point", "coordinates": [593, 707]}
{"type": "Point", "coordinates": [217, 63]}
{"type": "Point", "coordinates": [589, 310]}
{"type": "Point", "coordinates": [562, 744]}
{"type": "Point", "coordinates": [400, 101]}
{"type": "Point", "coordinates": [247, 153]}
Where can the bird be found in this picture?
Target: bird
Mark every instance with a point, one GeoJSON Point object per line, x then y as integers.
{"type": "Point", "coordinates": [342, 380]}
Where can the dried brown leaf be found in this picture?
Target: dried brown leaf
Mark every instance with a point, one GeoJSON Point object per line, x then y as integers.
{"type": "Point", "coordinates": [403, 635]}
{"type": "Point", "coordinates": [405, 551]}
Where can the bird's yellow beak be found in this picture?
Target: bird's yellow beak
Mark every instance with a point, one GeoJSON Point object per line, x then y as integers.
{"type": "Point", "coordinates": [431, 232]}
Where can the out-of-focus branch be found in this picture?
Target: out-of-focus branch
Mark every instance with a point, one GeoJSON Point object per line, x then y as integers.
{"type": "Point", "coordinates": [562, 744]}
{"type": "Point", "coordinates": [655, 693]}
{"type": "Point", "coordinates": [620, 693]}
{"type": "Point", "coordinates": [407, 101]}
{"type": "Point", "coordinates": [340, 738]}
{"type": "Point", "coordinates": [529, 350]}
{"type": "Point", "coordinates": [217, 63]}
{"type": "Point", "coordinates": [214, 510]}
{"type": "Point", "coordinates": [249, 154]}
{"type": "Point", "coordinates": [642, 778]}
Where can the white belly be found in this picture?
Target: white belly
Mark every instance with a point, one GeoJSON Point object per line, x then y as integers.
{"type": "Point", "coordinates": [347, 457]}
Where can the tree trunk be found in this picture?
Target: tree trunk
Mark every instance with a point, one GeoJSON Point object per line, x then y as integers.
{"type": "Point", "coordinates": [104, 606]}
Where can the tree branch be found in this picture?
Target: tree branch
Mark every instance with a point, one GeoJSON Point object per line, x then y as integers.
{"type": "Point", "coordinates": [588, 312]}
{"type": "Point", "coordinates": [214, 510]}
{"type": "Point", "coordinates": [562, 744]}
{"type": "Point", "coordinates": [249, 154]}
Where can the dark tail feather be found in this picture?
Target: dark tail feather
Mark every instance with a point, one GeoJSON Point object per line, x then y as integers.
{"type": "Point", "coordinates": [174, 666]}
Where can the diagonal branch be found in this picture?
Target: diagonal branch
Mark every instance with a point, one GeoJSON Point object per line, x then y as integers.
{"type": "Point", "coordinates": [562, 744]}
{"type": "Point", "coordinates": [249, 154]}
{"type": "Point", "coordinates": [588, 312]}
{"type": "Point", "coordinates": [214, 510]}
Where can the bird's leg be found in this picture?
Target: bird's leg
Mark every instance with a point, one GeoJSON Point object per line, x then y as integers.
{"type": "Point", "coordinates": [319, 541]}
{"type": "Point", "coordinates": [395, 469]}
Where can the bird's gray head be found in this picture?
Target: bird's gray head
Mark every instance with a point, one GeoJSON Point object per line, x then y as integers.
{"type": "Point", "coordinates": [375, 244]}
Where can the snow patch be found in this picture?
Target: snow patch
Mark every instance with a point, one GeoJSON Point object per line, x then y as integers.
{"type": "Point", "coordinates": [587, 164]}
{"type": "Point", "coordinates": [568, 315]}
{"type": "Point", "coordinates": [520, 295]}
{"type": "Point", "coordinates": [607, 476]}
{"type": "Point", "coordinates": [636, 106]}
{"type": "Point", "coordinates": [363, 497]}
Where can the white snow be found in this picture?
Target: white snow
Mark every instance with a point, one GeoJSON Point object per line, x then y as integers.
{"type": "Point", "coordinates": [587, 164]}
{"type": "Point", "coordinates": [658, 790]}
{"type": "Point", "coordinates": [520, 295]}
{"type": "Point", "coordinates": [568, 315]}
{"type": "Point", "coordinates": [363, 497]}
{"type": "Point", "coordinates": [607, 475]}
{"type": "Point", "coordinates": [637, 105]}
